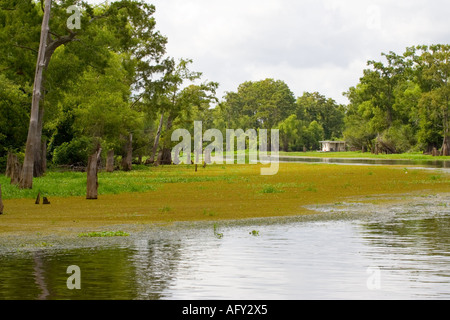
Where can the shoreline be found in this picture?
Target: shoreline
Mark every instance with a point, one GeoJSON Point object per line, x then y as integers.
{"type": "Point", "coordinates": [248, 195]}
{"type": "Point", "coordinates": [374, 208]}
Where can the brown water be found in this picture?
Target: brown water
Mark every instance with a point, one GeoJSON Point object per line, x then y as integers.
{"type": "Point", "coordinates": [349, 251]}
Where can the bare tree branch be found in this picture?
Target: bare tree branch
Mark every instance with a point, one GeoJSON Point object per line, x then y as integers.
{"type": "Point", "coordinates": [25, 47]}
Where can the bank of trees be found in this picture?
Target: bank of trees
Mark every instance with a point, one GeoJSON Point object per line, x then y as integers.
{"type": "Point", "coordinates": [110, 84]}
{"type": "Point", "coordinates": [401, 104]}
{"type": "Point", "coordinates": [269, 104]}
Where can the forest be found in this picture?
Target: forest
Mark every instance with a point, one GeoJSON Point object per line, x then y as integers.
{"type": "Point", "coordinates": [111, 85]}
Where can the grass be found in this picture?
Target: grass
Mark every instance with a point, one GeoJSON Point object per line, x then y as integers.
{"type": "Point", "coordinates": [218, 192]}
{"type": "Point", "coordinates": [73, 184]}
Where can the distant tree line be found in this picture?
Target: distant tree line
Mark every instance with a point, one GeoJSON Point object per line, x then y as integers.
{"type": "Point", "coordinates": [401, 104]}
{"type": "Point", "coordinates": [112, 84]}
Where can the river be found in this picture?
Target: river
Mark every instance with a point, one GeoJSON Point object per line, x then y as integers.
{"type": "Point", "coordinates": [442, 164]}
{"type": "Point", "coordinates": [349, 250]}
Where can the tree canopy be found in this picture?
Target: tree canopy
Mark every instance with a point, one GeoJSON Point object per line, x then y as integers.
{"type": "Point", "coordinates": [112, 78]}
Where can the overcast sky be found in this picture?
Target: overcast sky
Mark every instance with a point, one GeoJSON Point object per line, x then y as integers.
{"type": "Point", "coordinates": [312, 45]}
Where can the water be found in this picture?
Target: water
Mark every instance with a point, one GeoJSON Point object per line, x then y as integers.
{"type": "Point", "coordinates": [349, 251]}
{"type": "Point", "coordinates": [358, 161]}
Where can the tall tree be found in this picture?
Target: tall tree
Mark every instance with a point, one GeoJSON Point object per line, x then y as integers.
{"type": "Point", "coordinates": [327, 113]}
{"type": "Point", "coordinates": [260, 104]}
{"type": "Point", "coordinates": [26, 179]}
{"type": "Point", "coordinates": [131, 29]}
{"type": "Point", "coordinates": [434, 65]}
{"type": "Point", "coordinates": [177, 96]}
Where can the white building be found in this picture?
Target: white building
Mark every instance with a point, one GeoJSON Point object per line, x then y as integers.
{"type": "Point", "coordinates": [333, 146]}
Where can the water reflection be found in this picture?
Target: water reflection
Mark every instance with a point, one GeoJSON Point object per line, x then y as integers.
{"type": "Point", "coordinates": [322, 257]}
{"type": "Point", "coordinates": [155, 264]}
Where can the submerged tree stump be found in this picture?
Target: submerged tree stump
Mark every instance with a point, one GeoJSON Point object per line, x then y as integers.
{"type": "Point", "coordinates": [434, 152]}
{"type": "Point", "coordinates": [1, 202]}
{"type": "Point", "coordinates": [110, 161]}
{"type": "Point", "coordinates": [38, 199]}
{"type": "Point", "coordinates": [92, 178]}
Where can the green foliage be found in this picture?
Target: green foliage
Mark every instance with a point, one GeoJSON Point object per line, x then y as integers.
{"type": "Point", "coordinates": [270, 189]}
{"type": "Point", "coordinates": [112, 78]}
{"type": "Point", "coordinates": [76, 151]}
{"type": "Point", "coordinates": [403, 101]}
{"type": "Point", "coordinates": [261, 104]}
{"type": "Point", "coordinates": [14, 115]}
{"type": "Point", "coordinates": [326, 112]}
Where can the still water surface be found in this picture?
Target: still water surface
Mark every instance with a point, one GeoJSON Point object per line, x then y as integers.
{"type": "Point", "coordinates": [343, 253]}
{"type": "Point", "coordinates": [358, 161]}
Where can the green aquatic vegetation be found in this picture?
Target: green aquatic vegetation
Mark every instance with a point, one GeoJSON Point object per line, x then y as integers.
{"type": "Point", "coordinates": [270, 189]}
{"type": "Point", "coordinates": [165, 209]}
{"type": "Point", "coordinates": [104, 234]}
{"type": "Point", "coordinates": [254, 233]}
{"type": "Point", "coordinates": [311, 188]}
{"type": "Point", "coordinates": [218, 235]}
{"type": "Point", "coordinates": [239, 192]}
{"type": "Point", "coordinates": [209, 213]}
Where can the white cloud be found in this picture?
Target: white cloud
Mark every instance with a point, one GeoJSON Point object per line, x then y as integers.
{"type": "Point", "coordinates": [311, 45]}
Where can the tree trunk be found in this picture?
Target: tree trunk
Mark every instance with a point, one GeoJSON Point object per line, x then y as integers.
{"type": "Point", "coordinates": [92, 178]}
{"type": "Point", "coordinates": [445, 151]}
{"type": "Point", "coordinates": [38, 156]}
{"type": "Point", "coordinates": [156, 143]}
{"type": "Point", "coordinates": [110, 161]}
{"type": "Point", "coordinates": [26, 180]}
{"type": "Point", "coordinates": [434, 152]}
{"type": "Point", "coordinates": [164, 157]}
{"type": "Point", "coordinates": [127, 160]}
{"type": "Point", "coordinates": [1, 202]}
{"type": "Point", "coordinates": [44, 157]}
{"type": "Point", "coordinates": [16, 169]}
{"type": "Point", "coordinates": [9, 164]}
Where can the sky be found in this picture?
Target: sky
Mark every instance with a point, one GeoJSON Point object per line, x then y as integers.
{"type": "Point", "coordinates": [312, 45]}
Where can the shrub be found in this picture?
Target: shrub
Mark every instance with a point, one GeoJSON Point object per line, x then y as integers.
{"type": "Point", "coordinates": [74, 152]}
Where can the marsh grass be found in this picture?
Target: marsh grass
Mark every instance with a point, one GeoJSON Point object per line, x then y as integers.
{"type": "Point", "coordinates": [102, 234]}
{"type": "Point", "coordinates": [165, 209]}
{"type": "Point", "coordinates": [166, 194]}
{"type": "Point", "coordinates": [73, 184]}
{"type": "Point", "coordinates": [268, 188]}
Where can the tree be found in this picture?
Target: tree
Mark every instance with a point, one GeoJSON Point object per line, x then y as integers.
{"type": "Point", "coordinates": [434, 65]}
{"type": "Point", "coordinates": [14, 109]}
{"type": "Point", "coordinates": [176, 99]}
{"type": "Point", "coordinates": [292, 134]}
{"type": "Point", "coordinates": [26, 179]}
{"type": "Point", "coordinates": [262, 104]}
{"type": "Point", "coordinates": [378, 109]}
{"type": "Point", "coordinates": [326, 112]}
{"type": "Point", "coordinates": [131, 29]}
